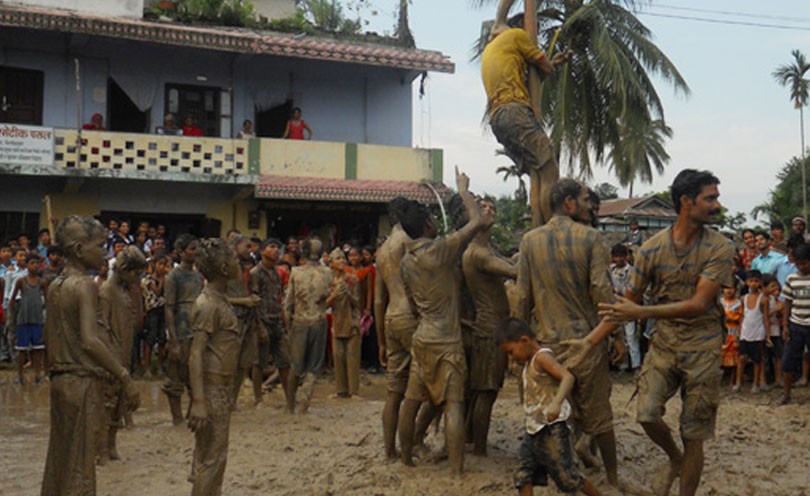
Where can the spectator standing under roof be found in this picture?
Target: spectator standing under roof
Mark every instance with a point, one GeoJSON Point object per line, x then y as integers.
{"type": "Point", "coordinates": [169, 127]}
{"type": "Point", "coordinates": [96, 123]}
{"type": "Point", "coordinates": [247, 130]}
{"type": "Point", "coordinates": [296, 127]}
{"type": "Point", "coordinates": [190, 128]}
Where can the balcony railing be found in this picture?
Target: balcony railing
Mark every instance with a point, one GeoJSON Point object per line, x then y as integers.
{"type": "Point", "coordinates": [258, 156]}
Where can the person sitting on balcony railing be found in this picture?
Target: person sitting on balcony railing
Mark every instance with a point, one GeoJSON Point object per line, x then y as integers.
{"type": "Point", "coordinates": [169, 127]}
{"type": "Point", "coordinates": [96, 123]}
{"type": "Point", "coordinates": [247, 130]}
{"type": "Point", "coordinates": [191, 129]}
{"type": "Point", "coordinates": [296, 126]}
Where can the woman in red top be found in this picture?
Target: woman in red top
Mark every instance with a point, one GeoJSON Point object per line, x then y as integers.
{"type": "Point", "coordinates": [190, 129]}
{"type": "Point", "coordinates": [296, 126]}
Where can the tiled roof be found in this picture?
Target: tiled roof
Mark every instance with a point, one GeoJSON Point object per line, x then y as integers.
{"type": "Point", "coordinates": [346, 190]}
{"type": "Point", "coordinates": [648, 206]}
{"type": "Point", "coordinates": [227, 39]}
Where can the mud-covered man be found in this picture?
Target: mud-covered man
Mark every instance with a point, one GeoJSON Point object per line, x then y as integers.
{"type": "Point", "coordinates": [213, 365]}
{"type": "Point", "coordinates": [430, 274]}
{"type": "Point", "coordinates": [396, 323]}
{"type": "Point", "coordinates": [122, 311]}
{"type": "Point", "coordinates": [485, 273]}
{"type": "Point", "coordinates": [305, 316]}
{"type": "Point", "coordinates": [77, 361]}
{"type": "Point", "coordinates": [181, 289]}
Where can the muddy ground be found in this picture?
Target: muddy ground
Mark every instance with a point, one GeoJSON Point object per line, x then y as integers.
{"type": "Point", "coordinates": [336, 449]}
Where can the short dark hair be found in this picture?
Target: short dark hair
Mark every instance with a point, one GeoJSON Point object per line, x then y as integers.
{"type": "Point", "coordinates": [270, 241]}
{"type": "Point", "coordinates": [516, 21]}
{"type": "Point", "coordinates": [512, 329]}
{"type": "Point", "coordinates": [395, 207]}
{"type": "Point", "coordinates": [414, 218]}
{"type": "Point", "coordinates": [769, 278]}
{"type": "Point", "coordinates": [802, 252]}
{"type": "Point", "coordinates": [30, 257]}
{"type": "Point", "coordinates": [44, 230]}
{"type": "Point", "coordinates": [689, 183]}
{"type": "Point", "coordinates": [764, 234]}
{"type": "Point", "coordinates": [183, 241]}
{"type": "Point", "coordinates": [748, 229]}
{"type": "Point", "coordinates": [794, 241]}
{"type": "Point", "coordinates": [619, 249]}
{"type": "Point", "coordinates": [753, 274]}
{"type": "Point", "coordinates": [777, 224]}
{"type": "Point", "coordinates": [55, 250]}
{"type": "Point", "coordinates": [295, 109]}
{"type": "Point", "coordinates": [564, 188]}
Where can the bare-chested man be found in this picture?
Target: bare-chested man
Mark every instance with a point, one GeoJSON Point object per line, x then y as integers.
{"type": "Point", "coordinates": [122, 311]}
{"type": "Point", "coordinates": [505, 61]}
{"type": "Point", "coordinates": [396, 323]}
{"type": "Point", "coordinates": [305, 316]}
{"type": "Point", "coordinates": [77, 360]}
{"type": "Point", "coordinates": [244, 306]}
{"type": "Point", "coordinates": [213, 365]}
{"type": "Point", "coordinates": [182, 287]}
{"type": "Point", "coordinates": [485, 272]}
{"type": "Point", "coordinates": [562, 276]}
{"type": "Point", "coordinates": [430, 275]}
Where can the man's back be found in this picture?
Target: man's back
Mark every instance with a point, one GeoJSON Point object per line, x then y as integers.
{"type": "Point", "coordinates": [308, 289]}
{"type": "Point", "coordinates": [389, 258]}
{"type": "Point", "coordinates": [487, 289]}
{"type": "Point", "coordinates": [503, 67]}
{"type": "Point", "coordinates": [562, 276]}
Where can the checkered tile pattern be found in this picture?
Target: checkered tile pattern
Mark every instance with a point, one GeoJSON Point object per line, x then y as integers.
{"type": "Point", "coordinates": [150, 153]}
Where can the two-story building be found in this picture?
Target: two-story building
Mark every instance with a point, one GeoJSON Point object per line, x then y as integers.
{"type": "Point", "coordinates": [63, 61]}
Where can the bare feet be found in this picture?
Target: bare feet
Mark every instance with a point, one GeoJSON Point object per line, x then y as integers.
{"type": "Point", "coordinates": [664, 478]}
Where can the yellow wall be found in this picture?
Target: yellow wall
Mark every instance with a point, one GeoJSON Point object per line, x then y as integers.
{"type": "Point", "coordinates": [393, 163]}
{"type": "Point", "coordinates": [234, 214]}
{"type": "Point", "coordinates": [64, 204]}
{"type": "Point", "coordinates": [303, 158]}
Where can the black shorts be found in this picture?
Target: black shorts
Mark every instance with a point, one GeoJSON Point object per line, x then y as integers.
{"type": "Point", "coordinates": [549, 452]}
{"type": "Point", "coordinates": [775, 351]}
{"type": "Point", "coordinates": [794, 349]}
{"type": "Point", "coordinates": [752, 349]}
{"type": "Point", "coordinates": [154, 328]}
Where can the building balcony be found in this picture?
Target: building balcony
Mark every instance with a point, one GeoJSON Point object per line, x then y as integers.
{"type": "Point", "coordinates": [199, 159]}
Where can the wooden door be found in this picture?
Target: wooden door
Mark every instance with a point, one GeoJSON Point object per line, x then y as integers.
{"type": "Point", "coordinates": [21, 96]}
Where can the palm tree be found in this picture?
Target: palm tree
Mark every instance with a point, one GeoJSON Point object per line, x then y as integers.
{"type": "Point", "coordinates": [640, 150]}
{"type": "Point", "coordinates": [792, 75]}
{"type": "Point", "coordinates": [606, 92]}
{"type": "Point", "coordinates": [514, 171]}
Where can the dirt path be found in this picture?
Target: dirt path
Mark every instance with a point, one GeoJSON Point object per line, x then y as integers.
{"type": "Point", "coordinates": [336, 449]}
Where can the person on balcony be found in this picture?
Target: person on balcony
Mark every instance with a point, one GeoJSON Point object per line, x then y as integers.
{"type": "Point", "coordinates": [191, 129]}
{"type": "Point", "coordinates": [169, 127]}
{"type": "Point", "coordinates": [247, 130]}
{"type": "Point", "coordinates": [296, 127]}
{"type": "Point", "coordinates": [96, 123]}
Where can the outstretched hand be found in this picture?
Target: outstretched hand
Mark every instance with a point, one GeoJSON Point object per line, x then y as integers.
{"type": "Point", "coordinates": [622, 311]}
{"type": "Point", "coordinates": [575, 352]}
{"type": "Point", "coordinates": [561, 58]}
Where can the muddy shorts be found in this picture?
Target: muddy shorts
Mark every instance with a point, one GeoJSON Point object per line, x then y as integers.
{"type": "Point", "coordinates": [696, 373]}
{"type": "Point", "coordinates": [154, 328]}
{"type": "Point", "coordinates": [794, 348]}
{"type": "Point", "coordinates": [549, 452]}
{"type": "Point", "coordinates": [177, 379]}
{"type": "Point", "coordinates": [438, 373]}
{"type": "Point", "coordinates": [398, 334]}
{"type": "Point", "coordinates": [276, 345]}
{"type": "Point", "coordinates": [487, 364]}
{"type": "Point", "coordinates": [522, 136]}
{"type": "Point", "coordinates": [590, 399]}
{"type": "Point", "coordinates": [308, 346]}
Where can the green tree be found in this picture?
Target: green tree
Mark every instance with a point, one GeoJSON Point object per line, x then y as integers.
{"type": "Point", "coordinates": [606, 94]}
{"type": "Point", "coordinates": [329, 15]}
{"type": "Point", "coordinates": [514, 171]}
{"type": "Point", "coordinates": [511, 222]}
{"type": "Point", "coordinates": [734, 222]}
{"type": "Point", "coordinates": [792, 75]}
{"type": "Point", "coordinates": [403, 29]}
{"type": "Point", "coordinates": [606, 191]}
{"type": "Point", "coordinates": [785, 200]}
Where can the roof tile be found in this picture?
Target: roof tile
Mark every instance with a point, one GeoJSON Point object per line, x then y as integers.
{"type": "Point", "coordinates": [348, 190]}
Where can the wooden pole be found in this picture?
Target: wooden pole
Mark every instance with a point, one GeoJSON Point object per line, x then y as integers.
{"type": "Point", "coordinates": [49, 214]}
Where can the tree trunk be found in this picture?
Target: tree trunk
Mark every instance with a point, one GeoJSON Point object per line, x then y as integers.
{"type": "Point", "coordinates": [804, 166]}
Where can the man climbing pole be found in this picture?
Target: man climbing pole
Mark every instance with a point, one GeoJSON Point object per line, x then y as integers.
{"type": "Point", "coordinates": [513, 107]}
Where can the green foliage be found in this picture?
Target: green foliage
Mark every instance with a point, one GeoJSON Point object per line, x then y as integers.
{"type": "Point", "coordinates": [606, 191]}
{"type": "Point", "coordinates": [330, 16]}
{"type": "Point", "coordinates": [511, 221]}
{"type": "Point", "coordinates": [785, 200]}
{"type": "Point", "coordinates": [793, 76]}
{"type": "Point", "coordinates": [295, 24]}
{"type": "Point", "coordinates": [225, 12]}
{"type": "Point", "coordinates": [603, 107]}
{"type": "Point", "coordinates": [735, 222]}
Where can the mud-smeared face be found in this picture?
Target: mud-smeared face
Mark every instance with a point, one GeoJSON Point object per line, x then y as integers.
{"type": "Point", "coordinates": [519, 351]}
{"type": "Point", "coordinates": [93, 251]}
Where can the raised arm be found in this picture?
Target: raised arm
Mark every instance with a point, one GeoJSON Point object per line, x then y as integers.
{"type": "Point", "coordinates": [478, 220]}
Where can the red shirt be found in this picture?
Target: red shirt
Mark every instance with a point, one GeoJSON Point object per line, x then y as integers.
{"type": "Point", "coordinates": [296, 131]}
{"type": "Point", "coordinates": [192, 131]}
{"type": "Point", "coordinates": [746, 257]}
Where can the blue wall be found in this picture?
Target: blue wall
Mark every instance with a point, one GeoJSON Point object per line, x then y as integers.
{"type": "Point", "coordinates": [341, 102]}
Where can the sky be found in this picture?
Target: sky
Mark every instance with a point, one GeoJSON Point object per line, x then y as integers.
{"type": "Point", "coordinates": [737, 121]}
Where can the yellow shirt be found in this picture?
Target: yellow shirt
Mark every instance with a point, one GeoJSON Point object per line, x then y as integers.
{"type": "Point", "coordinates": [503, 67]}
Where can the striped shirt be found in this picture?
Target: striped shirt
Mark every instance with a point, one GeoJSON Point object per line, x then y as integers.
{"type": "Point", "coordinates": [797, 292]}
{"type": "Point", "coordinates": [562, 276]}
{"type": "Point", "coordinates": [674, 277]}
